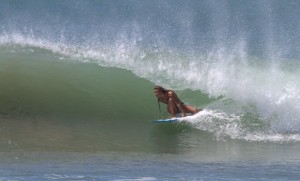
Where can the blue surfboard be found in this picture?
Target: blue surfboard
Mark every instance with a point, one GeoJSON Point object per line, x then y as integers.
{"type": "Point", "coordinates": [172, 120]}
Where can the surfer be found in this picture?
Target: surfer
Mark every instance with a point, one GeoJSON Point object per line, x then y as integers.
{"type": "Point", "coordinates": [174, 104]}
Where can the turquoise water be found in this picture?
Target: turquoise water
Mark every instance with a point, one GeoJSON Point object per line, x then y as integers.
{"type": "Point", "coordinates": [77, 78]}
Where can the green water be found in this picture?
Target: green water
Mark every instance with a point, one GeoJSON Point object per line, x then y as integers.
{"type": "Point", "coordinates": [32, 86]}
{"type": "Point", "coordinates": [67, 119]}
{"type": "Point", "coordinates": [50, 102]}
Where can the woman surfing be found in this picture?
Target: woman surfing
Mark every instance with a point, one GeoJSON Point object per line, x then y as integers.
{"type": "Point", "coordinates": [174, 104]}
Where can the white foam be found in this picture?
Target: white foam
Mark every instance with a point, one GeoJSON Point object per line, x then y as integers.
{"type": "Point", "coordinates": [224, 125]}
{"type": "Point", "coordinates": [219, 123]}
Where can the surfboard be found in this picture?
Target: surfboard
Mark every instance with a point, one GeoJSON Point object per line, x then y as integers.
{"type": "Point", "coordinates": [172, 120]}
{"type": "Point", "coordinates": [177, 119]}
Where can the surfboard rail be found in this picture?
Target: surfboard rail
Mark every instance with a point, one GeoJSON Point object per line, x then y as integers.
{"type": "Point", "coordinates": [171, 120]}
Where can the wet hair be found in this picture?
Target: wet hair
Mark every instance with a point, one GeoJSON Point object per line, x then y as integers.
{"type": "Point", "coordinates": [160, 88]}
{"type": "Point", "coordinates": [163, 90]}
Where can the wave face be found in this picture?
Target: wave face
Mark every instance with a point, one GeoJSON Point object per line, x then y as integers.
{"type": "Point", "coordinates": [37, 84]}
{"type": "Point", "coordinates": [238, 58]}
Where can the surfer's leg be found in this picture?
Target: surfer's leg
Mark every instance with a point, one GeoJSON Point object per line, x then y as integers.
{"type": "Point", "coordinates": [191, 109]}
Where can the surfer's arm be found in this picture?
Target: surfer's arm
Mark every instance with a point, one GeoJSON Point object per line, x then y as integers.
{"type": "Point", "coordinates": [178, 103]}
{"type": "Point", "coordinates": [181, 109]}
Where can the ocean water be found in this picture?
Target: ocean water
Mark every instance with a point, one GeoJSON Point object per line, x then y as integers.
{"type": "Point", "coordinates": [77, 78]}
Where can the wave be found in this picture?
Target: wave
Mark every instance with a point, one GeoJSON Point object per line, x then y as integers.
{"type": "Point", "coordinates": [212, 58]}
{"type": "Point", "coordinates": [38, 83]}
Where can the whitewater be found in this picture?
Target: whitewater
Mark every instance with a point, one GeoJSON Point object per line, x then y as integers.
{"type": "Point", "coordinates": [77, 82]}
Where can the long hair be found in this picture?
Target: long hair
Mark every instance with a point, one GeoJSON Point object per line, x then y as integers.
{"type": "Point", "coordinates": [160, 88]}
